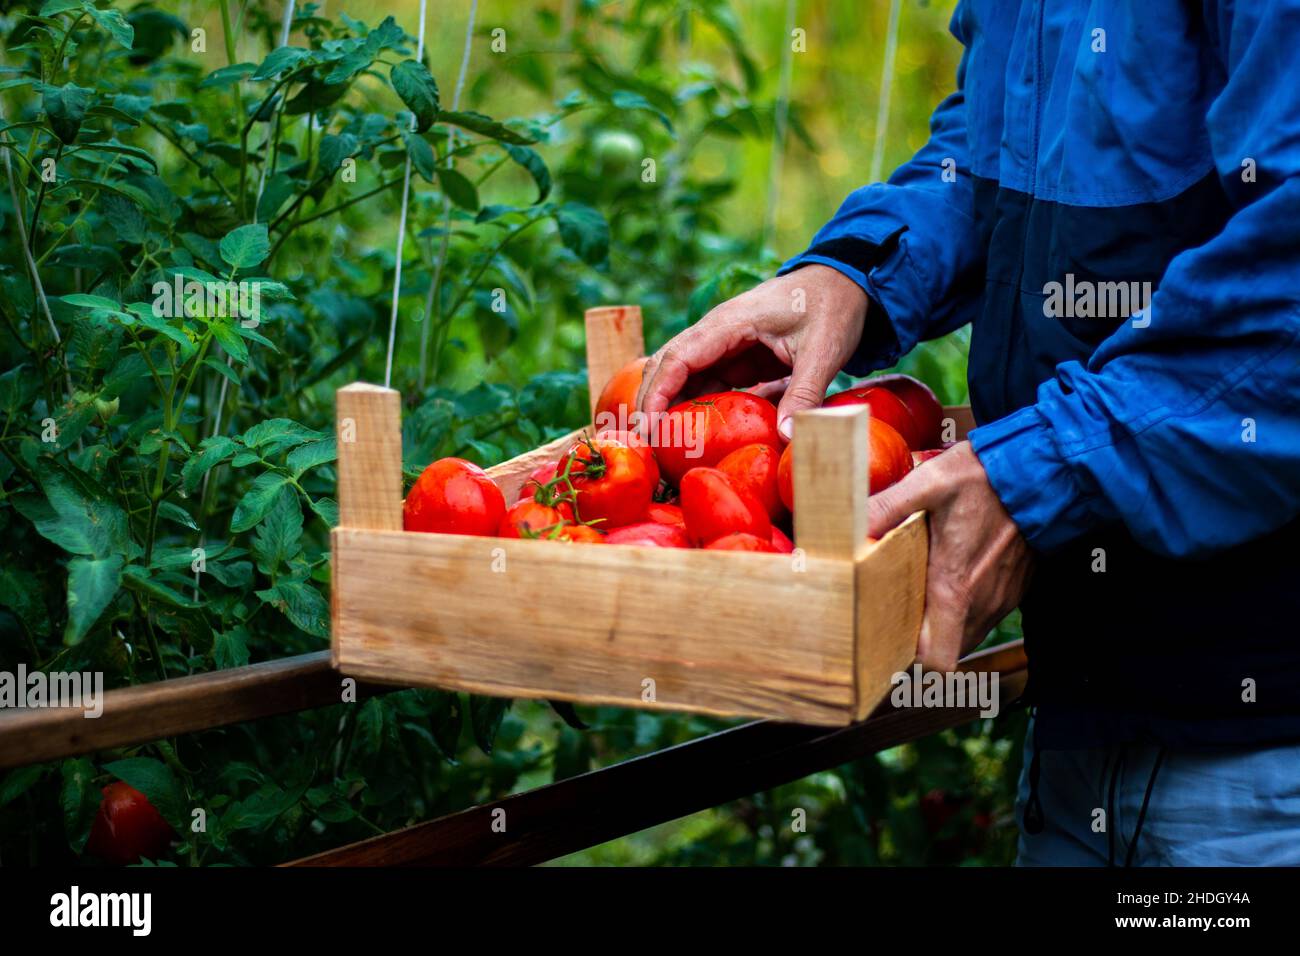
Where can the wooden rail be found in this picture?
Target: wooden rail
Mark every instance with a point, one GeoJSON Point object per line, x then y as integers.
{"type": "Point", "coordinates": [540, 825]}
{"type": "Point", "coordinates": [595, 807]}
{"type": "Point", "coordinates": [133, 715]}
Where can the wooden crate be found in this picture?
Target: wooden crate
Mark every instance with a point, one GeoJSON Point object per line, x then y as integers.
{"type": "Point", "coordinates": [813, 637]}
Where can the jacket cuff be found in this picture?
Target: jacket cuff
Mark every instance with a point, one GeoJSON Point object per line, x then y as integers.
{"type": "Point", "coordinates": [1032, 480]}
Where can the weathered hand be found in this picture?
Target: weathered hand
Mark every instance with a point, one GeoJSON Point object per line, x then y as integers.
{"type": "Point", "coordinates": [979, 562]}
{"type": "Point", "coordinates": [813, 343]}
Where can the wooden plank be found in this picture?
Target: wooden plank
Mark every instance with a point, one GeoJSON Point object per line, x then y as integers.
{"type": "Point", "coordinates": [183, 705]}
{"type": "Point", "coordinates": [891, 602]}
{"type": "Point", "coordinates": [721, 633]}
{"type": "Point", "coordinates": [369, 427]}
{"type": "Point", "coordinates": [614, 338]}
{"type": "Point", "coordinates": [590, 809]}
{"type": "Point", "coordinates": [830, 482]}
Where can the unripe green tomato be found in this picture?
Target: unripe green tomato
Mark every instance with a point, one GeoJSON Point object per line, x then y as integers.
{"type": "Point", "coordinates": [617, 151]}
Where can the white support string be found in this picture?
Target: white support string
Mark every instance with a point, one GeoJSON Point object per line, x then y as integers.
{"type": "Point", "coordinates": [886, 84]}
{"type": "Point", "coordinates": [401, 225]}
{"type": "Point", "coordinates": [446, 203]}
{"type": "Point", "coordinates": [780, 122]}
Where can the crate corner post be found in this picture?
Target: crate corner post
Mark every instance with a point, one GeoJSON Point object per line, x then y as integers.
{"type": "Point", "coordinates": [368, 431]}
{"type": "Point", "coordinates": [614, 338]}
{"type": "Point", "coordinates": [830, 488]}
{"type": "Point", "coordinates": [369, 434]}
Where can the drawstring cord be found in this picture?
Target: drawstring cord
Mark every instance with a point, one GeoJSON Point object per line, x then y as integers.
{"type": "Point", "coordinates": [1110, 806]}
{"type": "Point", "coordinates": [1033, 816]}
{"type": "Point", "coordinates": [1146, 800]}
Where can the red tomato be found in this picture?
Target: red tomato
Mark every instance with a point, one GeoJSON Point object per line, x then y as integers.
{"type": "Point", "coordinates": [754, 469]}
{"type": "Point", "coordinates": [664, 514]}
{"type": "Point", "coordinates": [713, 506]}
{"type": "Point", "coordinates": [884, 405]}
{"type": "Point", "coordinates": [740, 541]}
{"type": "Point", "coordinates": [617, 399]}
{"type": "Point", "coordinates": [611, 480]}
{"type": "Point", "coordinates": [542, 488]}
{"type": "Point", "coordinates": [540, 477]}
{"type": "Point", "coordinates": [701, 432]}
{"type": "Point", "coordinates": [579, 534]}
{"type": "Point", "coordinates": [530, 519]}
{"type": "Point", "coordinates": [890, 458]}
{"type": "Point", "coordinates": [641, 446]}
{"type": "Point", "coordinates": [785, 477]}
{"type": "Point", "coordinates": [127, 827]}
{"type": "Point", "coordinates": [921, 402]}
{"type": "Point", "coordinates": [454, 496]}
{"type": "Point", "coordinates": [753, 366]}
{"type": "Point", "coordinates": [650, 534]}
{"type": "Point", "coordinates": [780, 541]}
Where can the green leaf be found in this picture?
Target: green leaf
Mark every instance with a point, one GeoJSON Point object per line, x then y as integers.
{"type": "Point", "coordinates": [155, 780]}
{"type": "Point", "coordinates": [128, 222]}
{"type": "Point", "coordinates": [302, 604]}
{"type": "Point", "coordinates": [17, 782]}
{"type": "Point", "coordinates": [327, 509]}
{"type": "Point", "coordinates": [418, 90]}
{"type": "Point", "coordinates": [421, 154]}
{"type": "Point", "coordinates": [584, 232]}
{"type": "Point", "coordinates": [278, 538]}
{"type": "Point", "coordinates": [20, 591]}
{"type": "Point", "coordinates": [79, 799]}
{"type": "Point", "coordinates": [532, 161]}
{"type": "Point", "coordinates": [309, 456]}
{"type": "Point", "coordinates": [230, 340]}
{"type": "Point", "coordinates": [145, 581]}
{"type": "Point", "coordinates": [484, 126]}
{"type": "Point", "coordinates": [92, 584]}
{"type": "Point", "coordinates": [227, 75]}
{"type": "Point", "coordinates": [113, 21]}
{"type": "Point", "coordinates": [486, 714]}
{"type": "Point", "coordinates": [315, 95]}
{"type": "Point", "coordinates": [76, 520]}
{"type": "Point", "coordinates": [334, 149]}
{"type": "Point", "coordinates": [222, 369]}
{"type": "Point", "coordinates": [458, 188]}
{"type": "Point", "coordinates": [212, 450]}
{"type": "Point", "coordinates": [257, 501]}
{"type": "Point", "coordinates": [281, 59]}
{"type": "Point", "coordinates": [66, 108]}
{"type": "Point", "coordinates": [230, 649]}
{"type": "Point", "coordinates": [246, 246]}
{"type": "Point", "coordinates": [84, 301]}
{"type": "Point", "coordinates": [52, 8]}
{"type": "Point", "coordinates": [627, 100]}
{"type": "Point", "coordinates": [170, 511]}
{"type": "Point", "coordinates": [277, 434]}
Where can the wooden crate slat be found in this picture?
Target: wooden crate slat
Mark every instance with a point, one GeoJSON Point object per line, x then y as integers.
{"type": "Point", "coordinates": [718, 632]}
{"type": "Point", "coordinates": [891, 602]}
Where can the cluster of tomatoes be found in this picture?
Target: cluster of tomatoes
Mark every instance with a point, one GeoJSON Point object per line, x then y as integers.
{"type": "Point", "coordinates": [713, 472]}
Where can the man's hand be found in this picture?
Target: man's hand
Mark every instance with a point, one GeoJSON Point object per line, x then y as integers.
{"type": "Point", "coordinates": [815, 342]}
{"type": "Point", "coordinates": [979, 563]}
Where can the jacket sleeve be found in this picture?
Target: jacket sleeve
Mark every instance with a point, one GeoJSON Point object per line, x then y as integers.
{"type": "Point", "coordinates": [902, 241]}
{"type": "Point", "coordinates": [1187, 429]}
